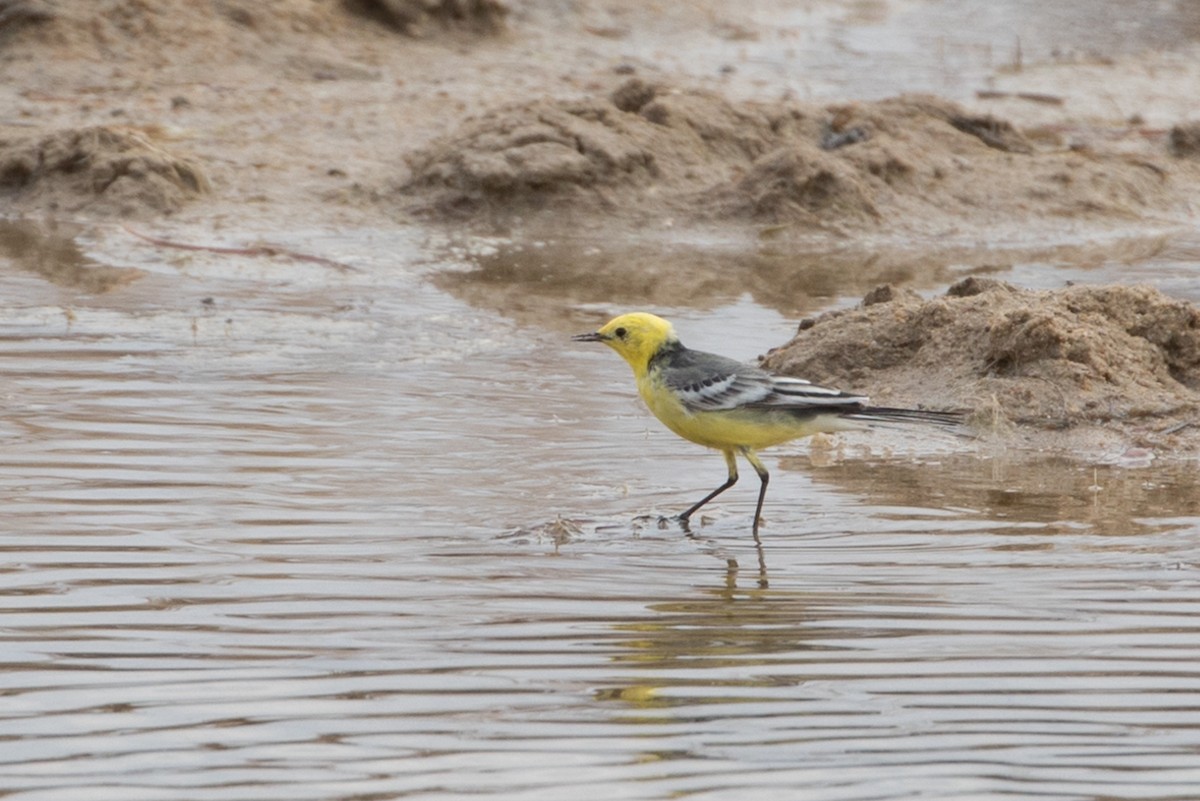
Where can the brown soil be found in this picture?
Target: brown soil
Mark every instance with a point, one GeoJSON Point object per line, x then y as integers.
{"type": "Point", "coordinates": [1114, 361]}
{"type": "Point", "coordinates": [330, 105]}
{"type": "Point", "coordinates": [281, 102]}
{"type": "Point", "coordinates": [910, 163]}
{"type": "Point", "coordinates": [99, 170]}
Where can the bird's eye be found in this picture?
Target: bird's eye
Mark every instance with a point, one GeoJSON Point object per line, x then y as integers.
{"type": "Point", "coordinates": [620, 333]}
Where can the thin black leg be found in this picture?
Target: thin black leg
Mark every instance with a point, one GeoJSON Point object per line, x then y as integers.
{"type": "Point", "coordinates": [764, 477]}
{"type": "Point", "coordinates": [731, 462]}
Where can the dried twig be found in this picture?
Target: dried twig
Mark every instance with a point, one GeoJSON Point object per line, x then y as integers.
{"type": "Point", "coordinates": [1032, 97]}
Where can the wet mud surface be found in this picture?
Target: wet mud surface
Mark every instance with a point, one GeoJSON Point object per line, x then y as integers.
{"type": "Point", "coordinates": [914, 164]}
{"type": "Point", "coordinates": [307, 494]}
{"type": "Point", "coordinates": [1090, 362]}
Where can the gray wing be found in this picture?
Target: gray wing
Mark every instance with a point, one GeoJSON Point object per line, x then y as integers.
{"type": "Point", "coordinates": [708, 382]}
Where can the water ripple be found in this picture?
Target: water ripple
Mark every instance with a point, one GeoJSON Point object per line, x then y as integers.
{"type": "Point", "coordinates": [332, 554]}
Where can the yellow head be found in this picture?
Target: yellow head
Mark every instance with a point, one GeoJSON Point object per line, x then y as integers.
{"type": "Point", "coordinates": [637, 336]}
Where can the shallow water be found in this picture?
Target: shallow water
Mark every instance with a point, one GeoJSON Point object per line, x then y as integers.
{"type": "Point", "coordinates": [273, 530]}
{"type": "Point", "coordinates": [955, 48]}
{"type": "Point", "coordinates": [873, 49]}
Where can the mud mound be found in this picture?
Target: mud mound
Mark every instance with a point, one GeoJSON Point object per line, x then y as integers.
{"type": "Point", "coordinates": [590, 153]}
{"type": "Point", "coordinates": [104, 170]}
{"type": "Point", "coordinates": [158, 31]}
{"type": "Point", "coordinates": [420, 17]}
{"type": "Point", "coordinates": [645, 146]}
{"type": "Point", "coordinates": [911, 162]}
{"type": "Point", "coordinates": [1127, 357]}
{"type": "Point", "coordinates": [163, 31]}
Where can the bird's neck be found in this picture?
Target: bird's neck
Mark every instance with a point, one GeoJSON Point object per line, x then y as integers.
{"type": "Point", "coordinates": [662, 356]}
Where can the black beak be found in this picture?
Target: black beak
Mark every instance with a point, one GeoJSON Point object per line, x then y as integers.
{"type": "Point", "coordinates": [592, 337]}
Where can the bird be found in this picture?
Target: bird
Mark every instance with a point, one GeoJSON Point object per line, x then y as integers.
{"type": "Point", "coordinates": [735, 407]}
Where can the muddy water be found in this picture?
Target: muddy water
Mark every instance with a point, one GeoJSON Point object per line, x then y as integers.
{"type": "Point", "coordinates": [275, 530]}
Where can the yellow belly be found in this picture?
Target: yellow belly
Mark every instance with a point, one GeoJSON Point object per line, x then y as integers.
{"type": "Point", "coordinates": [725, 430]}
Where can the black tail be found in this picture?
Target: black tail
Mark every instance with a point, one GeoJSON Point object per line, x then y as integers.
{"type": "Point", "coordinates": [884, 414]}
